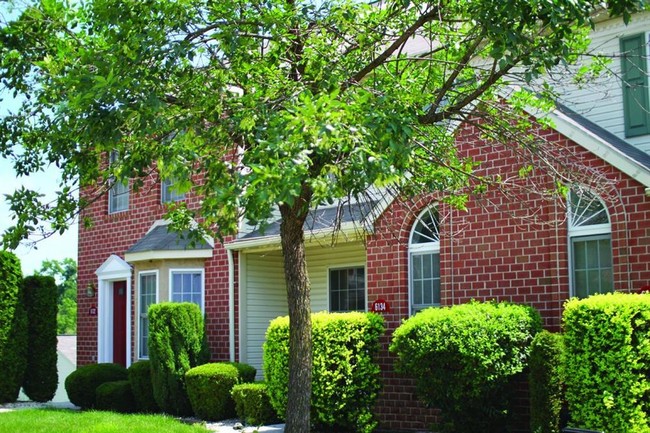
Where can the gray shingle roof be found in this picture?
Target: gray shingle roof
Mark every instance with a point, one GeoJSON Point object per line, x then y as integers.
{"type": "Point", "coordinates": [621, 145]}
{"type": "Point", "coordinates": [321, 219]}
{"type": "Point", "coordinates": [160, 238]}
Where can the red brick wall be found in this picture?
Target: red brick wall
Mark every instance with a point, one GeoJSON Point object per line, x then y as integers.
{"type": "Point", "coordinates": [510, 246]}
{"type": "Point", "coordinates": [116, 233]}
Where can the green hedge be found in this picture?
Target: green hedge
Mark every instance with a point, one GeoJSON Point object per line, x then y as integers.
{"type": "Point", "coordinates": [246, 372]}
{"type": "Point", "coordinates": [13, 327]}
{"type": "Point", "coordinates": [41, 375]}
{"type": "Point", "coordinates": [115, 397]}
{"type": "Point", "coordinates": [81, 385]}
{"type": "Point", "coordinates": [345, 379]}
{"type": "Point", "coordinates": [177, 343]}
{"type": "Point", "coordinates": [608, 362]}
{"type": "Point", "coordinates": [546, 380]}
{"type": "Point", "coordinates": [464, 359]}
{"type": "Point", "coordinates": [252, 403]}
{"type": "Point", "coordinates": [208, 387]}
{"type": "Point", "coordinates": [142, 387]}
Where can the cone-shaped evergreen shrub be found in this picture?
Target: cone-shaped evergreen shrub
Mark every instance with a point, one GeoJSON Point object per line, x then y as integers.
{"type": "Point", "coordinates": [464, 359]}
{"type": "Point", "coordinates": [13, 327]}
{"type": "Point", "coordinates": [41, 377]}
{"type": "Point", "coordinates": [177, 343]}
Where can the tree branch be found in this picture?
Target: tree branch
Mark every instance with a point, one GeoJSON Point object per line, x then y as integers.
{"type": "Point", "coordinates": [401, 40]}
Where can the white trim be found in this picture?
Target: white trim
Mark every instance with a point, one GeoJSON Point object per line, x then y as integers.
{"type": "Point", "coordinates": [432, 247]}
{"type": "Point", "coordinates": [348, 232]}
{"type": "Point", "coordinates": [187, 271]}
{"type": "Point", "coordinates": [596, 145]}
{"type": "Point", "coordinates": [155, 272]}
{"type": "Point", "coordinates": [328, 287]}
{"type": "Point", "coordinates": [113, 269]}
{"type": "Point", "coordinates": [169, 255]}
{"type": "Point", "coordinates": [231, 305]}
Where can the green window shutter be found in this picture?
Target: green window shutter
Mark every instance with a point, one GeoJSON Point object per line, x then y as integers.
{"type": "Point", "coordinates": [635, 85]}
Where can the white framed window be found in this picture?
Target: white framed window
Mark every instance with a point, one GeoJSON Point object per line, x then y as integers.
{"type": "Point", "coordinates": [147, 296]}
{"type": "Point", "coordinates": [424, 261]}
{"type": "Point", "coordinates": [590, 244]}
{"type": "Point", "coordinates": [168, 193]}
{"type": "Point", "coordinates": [118, 194]}
{"type": "Point", "coordinates": [347, 289]}
{"type": "Point", "coordinates": [186, 285]}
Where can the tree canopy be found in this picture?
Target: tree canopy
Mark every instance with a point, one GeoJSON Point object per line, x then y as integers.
{"type": "Point", "coordinates": [65, 274]}
{"type": "Point", "coordinates": [285, 104]}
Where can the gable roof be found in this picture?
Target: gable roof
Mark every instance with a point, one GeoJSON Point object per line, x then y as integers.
{"type": "Point", "coordinates": [602, 143]}
{"type": "Point", "coordinates": [162, 243]}
{"type": "Point", "coordinates": [348, 219]}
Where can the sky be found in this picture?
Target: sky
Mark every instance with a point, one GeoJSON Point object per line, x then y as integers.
{"type": "Point", "coordinates": [56, 247]}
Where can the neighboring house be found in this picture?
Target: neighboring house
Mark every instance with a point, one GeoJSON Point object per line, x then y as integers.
{"type": "Point", "coordinates": [404, 255]}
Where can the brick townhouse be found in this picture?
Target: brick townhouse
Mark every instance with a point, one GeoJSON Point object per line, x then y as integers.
{"type": "Point", "coordinates": [397, 255]}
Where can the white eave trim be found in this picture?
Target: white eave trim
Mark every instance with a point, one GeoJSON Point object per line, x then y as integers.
{"type": "Point", "coordinates": [348, 232]}
{"type": "Point", "coordinates": [596, 145]}
{"type": "Point", "coordinates": [168, 255]}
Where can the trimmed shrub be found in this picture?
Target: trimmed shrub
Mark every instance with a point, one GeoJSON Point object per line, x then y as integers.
{"type": "Point", "coordinates": [546, 380]}
{"type": "Point", "coordinates": [246, 372]}
{"type": "Point", "coordinates": [13, 327]}
{"type": "Point", "coordinates": [115, 397]}
{"type": "Point", "coordinates": [607, 362]}
{"type": "Point", "coordinates": [141, 386]}
{"type": "Point", "coordinates": [177, 343]}
{"type": "Point", "coordinates": [41, 375]}
{"type": "Point", "coordinates": [81, 385]}
{"type": "Point", "coordinates": [464, 359]}
{"type": "Point", "coordinates": [208, 387]}
{"type": "Point", "coordinates": [345, 377]}
{"type": "Point", "coordinates": [252, 403]}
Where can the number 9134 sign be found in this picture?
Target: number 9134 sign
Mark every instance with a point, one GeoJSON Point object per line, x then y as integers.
{"type": "Point", "coordinates": [380, 306]}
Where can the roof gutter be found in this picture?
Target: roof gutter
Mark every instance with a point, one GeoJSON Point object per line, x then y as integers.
{"type": "Point", "coordinates": [348, 232]}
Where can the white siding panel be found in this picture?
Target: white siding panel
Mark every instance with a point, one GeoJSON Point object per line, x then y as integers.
{"type": "Point", "coordinates": [263, 291]}
{"type": "Point", "coordinates": [601, 101]}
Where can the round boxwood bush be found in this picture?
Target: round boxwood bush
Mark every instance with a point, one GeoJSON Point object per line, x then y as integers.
{"type": "Point", "coordinates": [465, 358]}
{"type": "Point", "coordinates": [13, 327]}
{"type": "Point", "coordinates": [115, 397]}
{"type": "Point", "coordinates": [252, 403]}
{"type": "Point", "coordinates": [81, 385]}
{"type": "Point", "coordinates": [141, 385]}
{"type": "Point", "coordinates": [208, 387]}
{"type": "Point", "coordinates": [246, 372]}
{"type": "Point", "coordinates": [41, 375]}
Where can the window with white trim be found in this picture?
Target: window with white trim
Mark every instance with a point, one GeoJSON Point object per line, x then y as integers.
{"type": "Point", "coordinates": [590, 244]}
{"type": "Point", "coordinates": [118, 194]}
{"type": "Point", "coordinates": [424, 261]}
{"type": "Point", "coordinates": [147, 296]}
{"type": "Point", "coordinates": [347, 289]}
{"type": "Point", "coordinates": [186, 285]}
{"type": "Point", "coordinates": [168, 192]}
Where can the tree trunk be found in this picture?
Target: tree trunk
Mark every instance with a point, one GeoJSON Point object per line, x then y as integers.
{"type": "Point", "coordinates": [300, 344]}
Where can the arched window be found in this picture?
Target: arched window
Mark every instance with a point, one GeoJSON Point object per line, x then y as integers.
{"type": "Point", "coordinates": [590, 244]}
{"type": "Point", "coordinates": [424, 261]}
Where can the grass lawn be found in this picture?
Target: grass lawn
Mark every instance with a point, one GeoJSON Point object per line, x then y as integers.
{"type": "Point", "coordinates": [67, 421]}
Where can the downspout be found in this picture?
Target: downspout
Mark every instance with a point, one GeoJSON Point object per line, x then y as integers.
{"type": "Point", "coordinates": [231, 303]}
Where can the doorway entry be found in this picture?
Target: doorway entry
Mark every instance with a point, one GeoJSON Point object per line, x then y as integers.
{"type": "Point", "coordinates": [119, 322]}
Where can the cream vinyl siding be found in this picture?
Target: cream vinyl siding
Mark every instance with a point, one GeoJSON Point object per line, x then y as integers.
{"type": "Point", "coordinates": [601, 101]}
{"type": "Point", "coordinates": [263, 295]}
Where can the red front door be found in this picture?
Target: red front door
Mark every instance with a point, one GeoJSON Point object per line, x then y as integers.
{"type": "Point", "coordinates": [119, 322]}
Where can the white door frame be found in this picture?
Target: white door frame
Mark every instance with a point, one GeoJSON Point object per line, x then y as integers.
{"type": "Point", "coordinates": [113, 269]}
